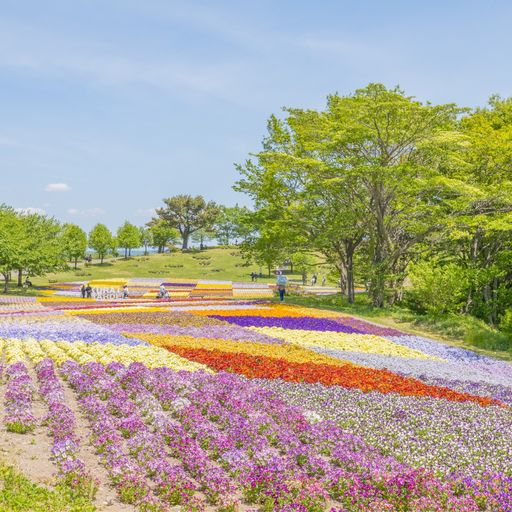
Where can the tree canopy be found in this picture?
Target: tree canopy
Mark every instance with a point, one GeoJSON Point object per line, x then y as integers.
{"type": "Point", "coordinates": [101, 240]}
{"type": "Point", "coordinates": [188, 214]}
{"type": "Point", "coordinates": [377, 181]}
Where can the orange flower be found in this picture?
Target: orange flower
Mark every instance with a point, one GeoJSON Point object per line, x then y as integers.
{"type": "Point", "coordinates": [366, 379]}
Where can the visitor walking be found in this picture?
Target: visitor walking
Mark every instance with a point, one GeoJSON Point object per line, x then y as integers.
{"type": "Point", "coordinates": [281, 282]}
{"type": "Point", "coordinates": [125, 291]}
{"type": "Point", "coordinates": [88, 291]}
{"type": "Point", "coordinates": [82, 291]}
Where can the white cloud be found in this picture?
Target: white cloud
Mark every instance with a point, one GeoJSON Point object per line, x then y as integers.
{"type": "Point", "coordinates": [89, 212]}
{"type": "Point", "coordinates": [57, 187]}
{"type": "Point", "coordinates": [30, 210]}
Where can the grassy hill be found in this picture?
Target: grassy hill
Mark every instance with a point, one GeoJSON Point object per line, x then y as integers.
{"type": "Point", "coordinates": [219, 263]}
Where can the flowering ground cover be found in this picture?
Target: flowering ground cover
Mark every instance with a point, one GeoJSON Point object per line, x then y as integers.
{"type": "Point", "coordinates": [237, 405]}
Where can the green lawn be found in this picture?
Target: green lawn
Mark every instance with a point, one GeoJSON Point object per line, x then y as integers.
{"type": "Point", "coordinates": [218, 263]}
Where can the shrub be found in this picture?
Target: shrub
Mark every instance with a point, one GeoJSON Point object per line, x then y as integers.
{"type": "Point", "coordinates": [437, 289]}
{"type": "Point", "coordinates": [488, 339]}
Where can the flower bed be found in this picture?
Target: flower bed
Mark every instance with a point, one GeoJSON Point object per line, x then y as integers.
{"type": "Point", "coordinates": [230, 406]}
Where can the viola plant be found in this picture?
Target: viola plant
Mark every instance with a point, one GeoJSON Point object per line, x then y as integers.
{"type": "Point", "coordinates": [230, 406]}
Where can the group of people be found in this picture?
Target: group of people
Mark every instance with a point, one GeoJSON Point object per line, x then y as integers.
{"type": "Point", "coordinates": [88, 292]}
{"type": "Point", "coordinates": [255, 275]}
{"type": "Point", "coordinates": [314, 280]}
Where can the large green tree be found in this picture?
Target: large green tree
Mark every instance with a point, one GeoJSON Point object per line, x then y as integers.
{"type": "Point", "coordinates": [40, 245]}
{"type": "Point", "coordinates": [29, 244]}
{"type": "Point", "coordinates": [188, 214]}
{"type": "Point", "coordinates": [231, 224]}
{"type": "Point", "coordinates": [74, 242]}
{"type": "Point", "coordinates": [146, 238]}
{"type": "Point", "coordinates": [101, 240]}
{"type": "Point", "coordinates": [128, 238]}
{"type": "Point", "coordinates": [10, 232]}
{"type": "Point", "coordinates": [478, 237]}
{"type": "Point", "coordinates": [162, 234]}
{"type": "Point", "coordinates": [367, 170]}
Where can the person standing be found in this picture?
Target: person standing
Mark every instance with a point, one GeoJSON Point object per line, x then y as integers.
{"type": "Point", "coordinates": [82, 291]}
{"type": "Point", "coordinates": [281, 282]}
{"type": "Point", "coordinates": [88, 291]}
{"type": "Point", "coordinates": [125, 291]}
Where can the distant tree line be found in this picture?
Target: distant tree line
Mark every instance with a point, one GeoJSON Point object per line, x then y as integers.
{"type": "Point", "coordinates": [32, 244]}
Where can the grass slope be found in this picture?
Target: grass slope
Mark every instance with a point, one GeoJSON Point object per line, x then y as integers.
{"type": "Point", "coordinates": [219, 263]}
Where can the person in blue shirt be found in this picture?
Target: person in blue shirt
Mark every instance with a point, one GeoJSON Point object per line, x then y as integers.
{"type": "Point", "coordinates": [281, 282]}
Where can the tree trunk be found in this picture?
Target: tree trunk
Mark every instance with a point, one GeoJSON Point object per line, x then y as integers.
{"type": "Point", "coordinates": [76, 262]}
{"type": "Point", "coordinates": [130, 252]}
{"type": "Point", "coordinates": [351, 294]}
{"type": "Point", "coordinates": [101, 258]}
{"type": "Point", "coordinates": [20, 277]}
{"type": "Point", "coordinates": [184, 246]}
{"type": "Point", "coordinates": [145, 249]}
{"type": "Point", "coordinates": [125, 253]}
{"type": "Point", "coordinates": [6, 280]}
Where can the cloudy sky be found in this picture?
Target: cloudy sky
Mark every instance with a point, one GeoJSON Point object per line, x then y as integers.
{"type": "Point", "coordinates": [110, 105]}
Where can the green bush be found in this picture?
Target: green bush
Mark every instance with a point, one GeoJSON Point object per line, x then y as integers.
{"type": "Point", "coordinates": [488, 339]}
{"type": "Point", "coordinates": [436, 289]}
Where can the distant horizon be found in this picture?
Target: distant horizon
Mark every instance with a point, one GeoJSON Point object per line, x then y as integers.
{"type": "Point", "coordinates": [111, 106]}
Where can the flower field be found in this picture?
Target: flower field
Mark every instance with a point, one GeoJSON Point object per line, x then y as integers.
{"type": "Point", "coordinates": [213, 403]}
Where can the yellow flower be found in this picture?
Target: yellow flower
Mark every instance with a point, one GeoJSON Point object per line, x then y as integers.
{"type": "Point", "coordinates": [290, 353]}
{"type": "Point", "coordinates": [367, 343]}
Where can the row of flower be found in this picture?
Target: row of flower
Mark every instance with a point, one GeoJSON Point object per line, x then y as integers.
{"type": "Point", "coordinates": [215, 325]}
{"type": "Point", "coordinates": [170, 438]}
{"type": "Point", "coordinates": [15, 350]}
{"type": "Point", "coordinates": [59, 420]}
{"type": "Point", "coordinates": [445, 437]}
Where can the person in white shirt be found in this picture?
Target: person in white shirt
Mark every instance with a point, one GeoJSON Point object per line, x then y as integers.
{"type": "Point", "coordinates": [281, 282]}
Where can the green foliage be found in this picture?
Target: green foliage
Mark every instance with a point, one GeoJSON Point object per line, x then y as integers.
{"type": "Point", "coordinates": [74, 242]}
{"type": "Point", "coordinates": [146, 238]}
{"type": "Point", "coordinates": [362, 175]}
{"type": "Point", "coordinates": [437, 289]}
{"type": "Point", "coordinates": [128, 237]}
{"type": "Point", "coordinates": [488, 339]}
{"type": "Point", "coordinates": [188, 214]}
{"type": "Point", "coordinates": [162, 234]}
{"type": "Point", "coordinates": [19, 494]}
{"type": "Point", "coordinates": [379, 180]}
{"type": "Point", "coordinates": [232, 224]}
{"type": "Point", "coordinates": [101, 240]}
{"type": "Point", "coordinates": [29, 243]}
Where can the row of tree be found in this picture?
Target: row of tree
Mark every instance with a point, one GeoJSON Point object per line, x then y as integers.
{"type": "Point", "coordinates": [34, 244]}
{"type": "Point", "coordinates": [389, 190]}
{"type": "Point", "coordinates": [183, 218]}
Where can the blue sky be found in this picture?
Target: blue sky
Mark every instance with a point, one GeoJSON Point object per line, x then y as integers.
{"type": "Point", "coordinates": [110, 105]}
